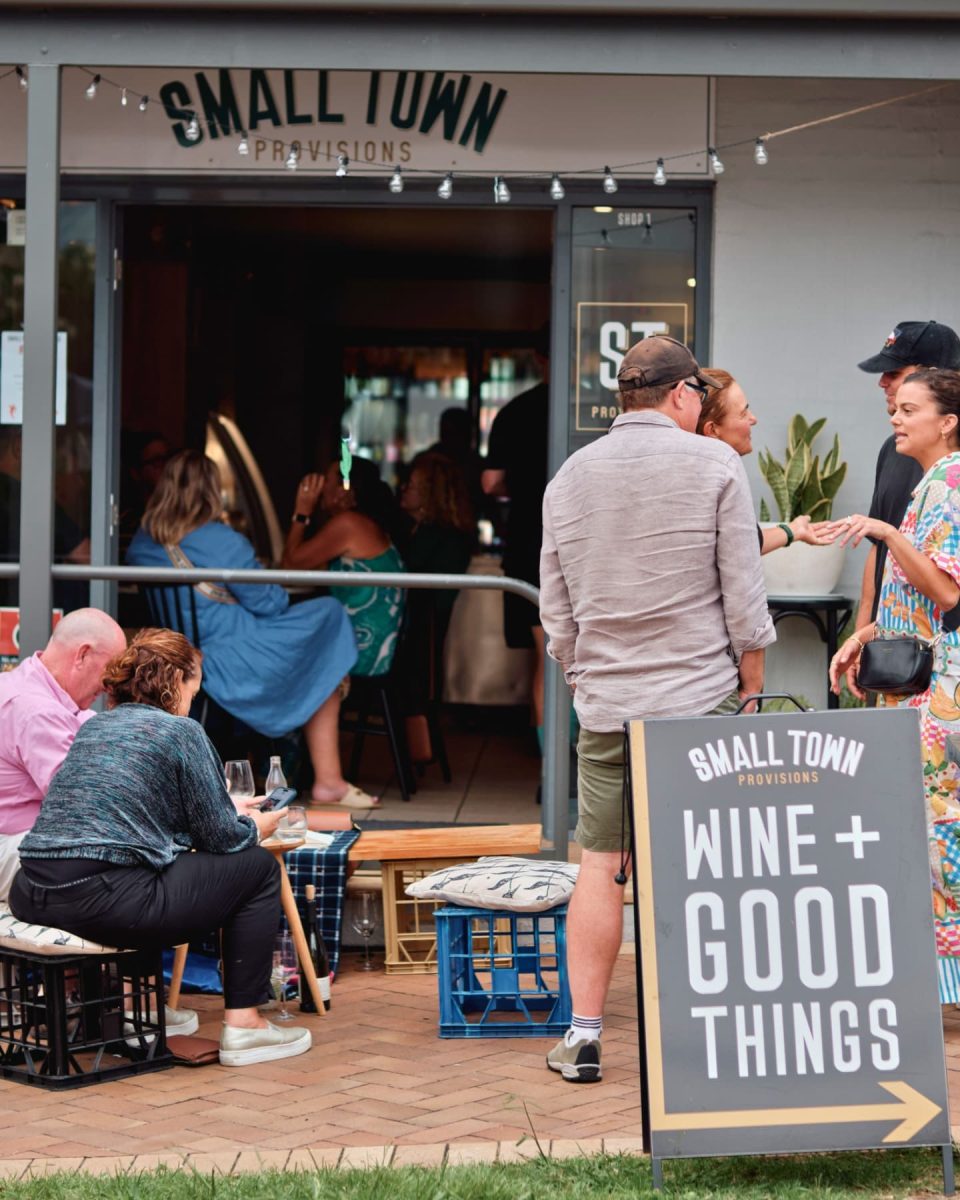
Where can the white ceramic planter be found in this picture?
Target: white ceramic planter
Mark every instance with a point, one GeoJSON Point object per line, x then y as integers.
{"type": "Point", "coordinates": [802, 570]}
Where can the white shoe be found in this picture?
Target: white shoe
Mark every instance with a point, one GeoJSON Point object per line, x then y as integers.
{"type": "Point", "coordinates": [180, 1022]}
{"type": "Point", "coordinates": [243, 1047]}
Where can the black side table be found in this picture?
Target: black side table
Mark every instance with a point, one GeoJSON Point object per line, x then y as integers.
{"type": "Point", "coordinates": [827, 614]}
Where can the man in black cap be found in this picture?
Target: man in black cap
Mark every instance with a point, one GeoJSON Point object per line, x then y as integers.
{"type": "Point", "coordinates": [911, 346]}
{"type": "Point", "coordinates": [652, 597]}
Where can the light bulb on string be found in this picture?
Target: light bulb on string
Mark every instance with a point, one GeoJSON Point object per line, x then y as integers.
{"type": "Point", "coordinates": [293, 158]}
{"type": "Point", "coordinates": [90, 91]}
{"type": "Point", "coordinates": [22, 79]}
{"type": "Point", "coordinates": [501, 193]}
{"type": "Point", "coordinates": [609, 183]}
{"type": "Point", "coordinates": [343, 166]}
{"type": "Point", "coordinates": [192, 131]}
{"type": "Point", "coordinates": [144, 101]}
{"type": "Point", "coordinates": [557, 190]}
{"type": "Point", "coordinates": [123, 98]}
{"type": "Point", "coordinates": [760, 156]}
{"type": "Point", "coordinates": [716, 166]}
{"type": "Point", "coordinates": [659, 175]}
{"type": "Point", "coordinates": [243, 146]}
{"type": "Point", "coordinates": [445, 187]}
{"type": "Point", "coordinates": [396, 181]}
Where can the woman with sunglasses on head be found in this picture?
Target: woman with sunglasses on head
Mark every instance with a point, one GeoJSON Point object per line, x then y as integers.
{"type": "Point", "coordinates": [726, 415]}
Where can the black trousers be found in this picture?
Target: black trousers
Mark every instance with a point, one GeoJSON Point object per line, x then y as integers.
{"type": "Point", "coordinates": [139, 908]}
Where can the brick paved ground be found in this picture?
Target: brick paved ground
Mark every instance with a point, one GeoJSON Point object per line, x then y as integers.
{"type": "Point", "coordinates": [379, 1086]}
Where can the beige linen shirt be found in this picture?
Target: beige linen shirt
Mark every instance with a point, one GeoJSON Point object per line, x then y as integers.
{"type": "Point", "coordinates": [650, 579]}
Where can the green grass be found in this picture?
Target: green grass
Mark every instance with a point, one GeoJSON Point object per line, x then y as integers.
{"type": "Point", "coordinates": [887, 1175]}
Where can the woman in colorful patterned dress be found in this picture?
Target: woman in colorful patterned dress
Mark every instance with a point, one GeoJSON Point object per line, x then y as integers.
{"type": "Point", "coordinates": [921, 584]}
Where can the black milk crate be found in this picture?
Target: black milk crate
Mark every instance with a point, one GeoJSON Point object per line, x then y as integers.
{"type": "Point", "coordinates": [67, 1020]}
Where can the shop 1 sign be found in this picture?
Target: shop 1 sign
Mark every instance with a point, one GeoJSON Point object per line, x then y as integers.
{"type": "Point", "coordinates": [787, 973]}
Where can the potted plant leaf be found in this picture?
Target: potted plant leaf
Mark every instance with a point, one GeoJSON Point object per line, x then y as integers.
{"type": "Point", "coordinates": [802, 485]}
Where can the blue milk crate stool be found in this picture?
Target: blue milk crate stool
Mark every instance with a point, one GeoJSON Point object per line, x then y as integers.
{"type": "Point", "coordinates": [502, 974]}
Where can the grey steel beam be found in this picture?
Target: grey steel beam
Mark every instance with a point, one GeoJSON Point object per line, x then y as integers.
{"type": "Point", "coordinates": [105, 436]}
{"type": "Point", "coordinates": [526, 43]}
{"type": "Point", "coordinates": [39, 355]}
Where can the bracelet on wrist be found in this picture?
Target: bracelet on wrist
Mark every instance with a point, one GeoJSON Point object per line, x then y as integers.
{"type": "Point", "coordinates": [787, 530]}
{"type": "Point", "coordinates": [853, 638]}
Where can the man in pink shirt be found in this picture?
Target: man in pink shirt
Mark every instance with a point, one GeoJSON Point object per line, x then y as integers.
{"type": "Point", "coordinates": [43, 702]}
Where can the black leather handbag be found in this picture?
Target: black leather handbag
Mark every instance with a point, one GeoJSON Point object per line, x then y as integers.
{"type": "Point", "coordinates": [899, 666]}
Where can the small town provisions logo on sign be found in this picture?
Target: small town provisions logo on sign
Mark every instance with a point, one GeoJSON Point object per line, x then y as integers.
{"type": "Point", "coordinates": [463, 109]}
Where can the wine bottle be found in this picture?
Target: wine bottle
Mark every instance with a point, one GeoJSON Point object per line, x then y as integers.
{"type": "Point", "coordinates": [318, 953]}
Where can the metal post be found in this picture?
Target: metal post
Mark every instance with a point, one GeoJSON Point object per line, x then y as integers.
{"type": "Point", "coordinates": [556, 695]}
{"type": "Point", "coordinates": [39, 355]}
{"type": "Point", "coordinates": [948, 1184]}
{"type": "Point", "coordinates": [105, 447]}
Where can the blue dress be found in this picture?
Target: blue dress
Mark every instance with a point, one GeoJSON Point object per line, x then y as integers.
{"type": "Point", "coordinates": [268, 663]}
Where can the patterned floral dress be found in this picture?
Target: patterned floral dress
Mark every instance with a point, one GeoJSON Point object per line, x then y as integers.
{"type": "Point", "coordinates": [932, 524]}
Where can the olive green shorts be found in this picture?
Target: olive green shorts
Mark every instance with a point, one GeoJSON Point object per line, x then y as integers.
{"type": "Point", "coordinates": [602, 816]}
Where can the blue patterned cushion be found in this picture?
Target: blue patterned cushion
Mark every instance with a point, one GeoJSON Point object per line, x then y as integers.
{"type": "Point", "coordinates": [511, 884]}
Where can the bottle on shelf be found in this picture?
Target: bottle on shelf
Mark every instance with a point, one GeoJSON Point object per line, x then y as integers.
{"type": "Point", "coordinates": [275, 776]}
{"type": "Point", "coordinates": [318, 952]}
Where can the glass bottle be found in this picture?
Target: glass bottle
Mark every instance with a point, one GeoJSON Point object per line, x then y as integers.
{"type": "Point", "coordinates": [275, 776]}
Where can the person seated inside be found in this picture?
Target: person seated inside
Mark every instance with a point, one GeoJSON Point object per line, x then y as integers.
{"type": "Point", "coordinates": [436, 500]}
{"type": "Point", "coordinates": [273, 665]}
{"type": "Point", "coordinates": [357, 533]}
{"type": "Point", "coordinates": [109, 857]}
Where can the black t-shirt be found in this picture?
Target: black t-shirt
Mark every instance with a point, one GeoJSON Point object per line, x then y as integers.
{"type": "Point", "coordinates": [518, 446]}
{"type": "Point", "coordinates": [897, 476]}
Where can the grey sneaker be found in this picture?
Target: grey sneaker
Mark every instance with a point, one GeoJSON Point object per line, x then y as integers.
{"type": "Point", "coordinates": [179, 1022]}
{"type": "Point", "coordinates": [579, 1063]}
{"type": "Point", "coordinates": [243, 1047]}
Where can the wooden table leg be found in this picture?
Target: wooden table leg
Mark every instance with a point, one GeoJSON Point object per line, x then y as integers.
{"type": "Point", "coordinates": [176, 974]}
{"type": "Point", "coordinates": [299, 937]}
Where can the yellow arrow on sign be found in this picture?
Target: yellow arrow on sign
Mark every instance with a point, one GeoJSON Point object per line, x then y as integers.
{"type": "Point", "coordinates": [911, 1111]}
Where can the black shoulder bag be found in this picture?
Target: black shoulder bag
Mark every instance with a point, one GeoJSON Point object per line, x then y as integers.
{"type": "Point", "coordinates": [901, 666]}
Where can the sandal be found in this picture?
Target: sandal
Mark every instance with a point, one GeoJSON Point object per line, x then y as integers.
{"type": "Point", "coordinates": [352, 798]}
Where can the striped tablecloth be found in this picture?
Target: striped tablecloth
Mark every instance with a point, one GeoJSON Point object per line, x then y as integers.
{"type": "Point", "coordinates": [326, 869]}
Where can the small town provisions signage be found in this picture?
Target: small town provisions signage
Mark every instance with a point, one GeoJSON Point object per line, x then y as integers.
{"type": "Point", "coordinates": [418, 120]}
{"type": "Point", "coordinates": [787, 970]}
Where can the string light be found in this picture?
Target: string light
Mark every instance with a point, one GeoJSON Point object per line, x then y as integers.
{"type": "Point", "coordinates": [243, 146]}
{"type": "Point", "coordinates": [716, 166]}
{"type": "Point", "coordinates": [22, 79]}
{"type": "Point", "coordinates": [192, 131]}
{"type": "Point", "coordinates": [609, 183]}
{"type": "Point", "coordinates": [557, 190]}
{"type": "Point", "coordinates": [343, 166]}
{"type": "Point", "coordinates": [90, 91]}
{"type": "Point", "coordinates": [660, 175]}
{"type": "Point", "coordinates": [760, 156]}
{"type": "Point", "coordinates": [293, 158]}
{"type": "Point", "coordinates": [123, 98]}
{"type": "Point", "coordinates": [396, 181]}
{"type": "Point", "coordinates": [501, 193]}
{"type": "Point", "coordinates": [445, 188]}
{"type": "Point", "coordinates": [144, 101]}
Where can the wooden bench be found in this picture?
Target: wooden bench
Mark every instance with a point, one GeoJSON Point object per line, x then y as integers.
{"type": "Point", "coordinates": [410, 936]}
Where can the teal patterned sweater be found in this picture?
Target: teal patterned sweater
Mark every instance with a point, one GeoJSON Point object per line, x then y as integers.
{"type": "Point", "coordinates": [138, 787]}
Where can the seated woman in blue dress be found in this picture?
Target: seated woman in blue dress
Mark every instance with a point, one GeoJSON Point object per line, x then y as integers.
{"type": "Point", "coordinates": [273, 666]}
{"type": "Point", "coordinates": [355, 536]}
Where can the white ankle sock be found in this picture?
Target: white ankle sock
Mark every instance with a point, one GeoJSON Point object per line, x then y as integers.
{"type": "Point", "coordinates": [584, 1029]}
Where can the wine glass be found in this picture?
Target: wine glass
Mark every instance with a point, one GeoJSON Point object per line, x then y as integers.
{"type": "Point", "coordinates": [293, 824]}
{"type": "Point", "coordinates": [238, 775]}
{"type": "Point", "coordinates": [284, 969]}
{"type": "Point", "coordinates": [365, 922]}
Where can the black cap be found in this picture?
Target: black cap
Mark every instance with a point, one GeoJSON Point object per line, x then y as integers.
{"type": "Point", "coordinates": [916, 343]}
{"type": "Point", "coordinates": [655, 360]}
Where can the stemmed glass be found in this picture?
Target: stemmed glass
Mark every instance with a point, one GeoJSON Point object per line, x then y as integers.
{"type": "Point", "coordinates": [365, 922]}
{"type": "Point", "coordinates": [238, 775]}
{"type": "Point", "coordinates": [284, 969]}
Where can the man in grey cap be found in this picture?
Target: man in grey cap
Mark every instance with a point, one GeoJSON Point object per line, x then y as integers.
{"type": "Point", "coordinates": [652, 598]}
{"type": "Point", "coordinates": [910, 346]}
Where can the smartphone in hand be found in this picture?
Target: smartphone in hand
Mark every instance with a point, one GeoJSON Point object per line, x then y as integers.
{"type": "Point", "coordinates": [279, 798]}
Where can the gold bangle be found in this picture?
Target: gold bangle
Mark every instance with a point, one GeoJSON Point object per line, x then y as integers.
{"type": "Point", "coordinates": [853, 638]}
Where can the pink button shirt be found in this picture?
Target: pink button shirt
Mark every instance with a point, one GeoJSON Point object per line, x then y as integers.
{"type": "Point", "coordinates": [38, 722]}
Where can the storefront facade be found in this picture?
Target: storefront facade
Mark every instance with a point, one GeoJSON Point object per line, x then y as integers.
{"type": "Point", "coordinates": [786, 273]}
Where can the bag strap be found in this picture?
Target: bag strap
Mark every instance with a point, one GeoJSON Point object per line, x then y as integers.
{"type": "Point", "coordinates": [213, 591]}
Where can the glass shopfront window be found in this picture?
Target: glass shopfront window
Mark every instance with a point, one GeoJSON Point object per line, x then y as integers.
{"type": "Point", "coordinates": [633, 275]}
{"type": "Point", "coordinates": [74, 415]}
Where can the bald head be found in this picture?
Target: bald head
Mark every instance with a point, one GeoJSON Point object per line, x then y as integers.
{"type": "Point", "coordinates": [79, 649]}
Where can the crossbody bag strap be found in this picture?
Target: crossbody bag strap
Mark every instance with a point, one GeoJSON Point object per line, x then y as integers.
{"type": "Point", "coordinates": [213, 591]}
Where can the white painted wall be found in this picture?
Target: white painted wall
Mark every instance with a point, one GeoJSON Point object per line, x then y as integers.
{"type": "Point", "coordinates": [850, 228]}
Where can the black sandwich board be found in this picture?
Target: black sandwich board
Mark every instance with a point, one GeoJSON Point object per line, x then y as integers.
{"type": "Point", "coordinates": [786, 969]}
